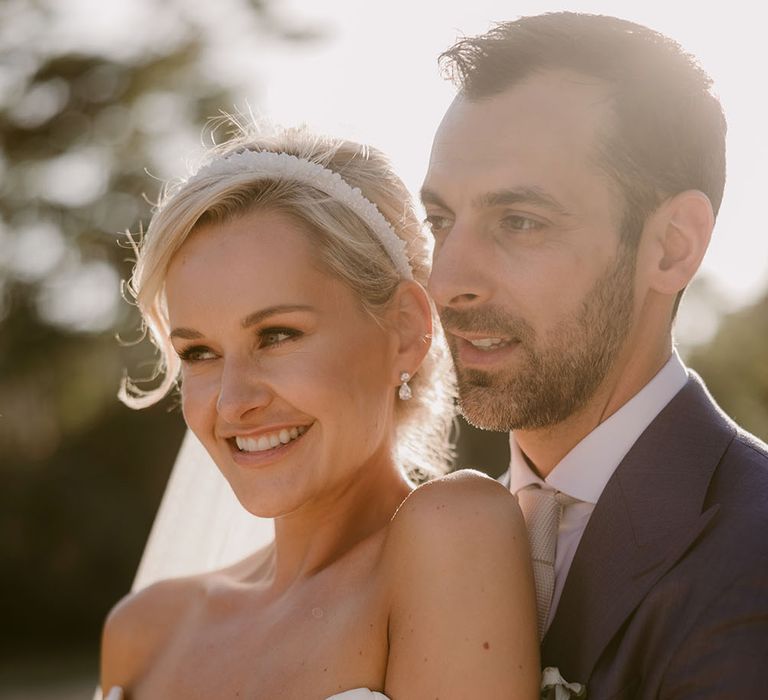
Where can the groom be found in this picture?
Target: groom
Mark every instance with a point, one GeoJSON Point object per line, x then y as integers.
{"type": "Point", "coordinates": [572, 190]}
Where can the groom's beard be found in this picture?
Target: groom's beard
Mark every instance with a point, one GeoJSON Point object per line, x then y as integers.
{"type": "Point", "coordinates": [552, 378]}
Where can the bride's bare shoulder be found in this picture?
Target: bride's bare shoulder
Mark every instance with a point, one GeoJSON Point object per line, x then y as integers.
{"type": "Point", "coordinates": [145, 617]}
{"type": "Point", "coordinates": [144, 622]}
{"type": "Point", "coordinates": [459, 492]}
{"type": "Point", "coordinates": [137, 627]}
{"type": "Point", "coordinates": [457, 511]}
{"type": "Point", "coordinates": [459, 579]}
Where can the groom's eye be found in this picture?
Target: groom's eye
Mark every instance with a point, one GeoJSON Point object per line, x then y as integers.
{"type": "Point", "coordinates": [436, 223]}
{"type": "Point", "coordinates": [518, 222]}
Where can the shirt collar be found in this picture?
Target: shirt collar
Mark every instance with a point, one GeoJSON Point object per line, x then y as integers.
{"type": "Point", "coordinates": [586, 469]}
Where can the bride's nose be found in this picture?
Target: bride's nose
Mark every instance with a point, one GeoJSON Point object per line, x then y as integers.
{"type": "Point", "coordinates": [242, 389]}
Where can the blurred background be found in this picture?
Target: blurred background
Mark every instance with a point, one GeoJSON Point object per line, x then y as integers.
{"type": "Point", "coordinates": [99, 103]}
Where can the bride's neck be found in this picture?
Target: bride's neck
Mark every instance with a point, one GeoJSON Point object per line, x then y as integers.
{"type": "Point", "coordinates": [322, 532]}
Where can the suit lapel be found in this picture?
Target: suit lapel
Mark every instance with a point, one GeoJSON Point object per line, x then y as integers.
{"type": "Point", "coordinates": [647, 517]}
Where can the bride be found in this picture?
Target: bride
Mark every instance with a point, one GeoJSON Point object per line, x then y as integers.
{"type": "Point", "coordinates": [283, 285]}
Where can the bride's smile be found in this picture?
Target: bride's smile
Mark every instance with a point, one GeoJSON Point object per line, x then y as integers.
{"type": "Point", "coordinates": [263, 449]}
{"type": "Point", "coordinates": [269, 440]}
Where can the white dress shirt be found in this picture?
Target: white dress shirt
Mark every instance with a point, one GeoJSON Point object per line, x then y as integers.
{"type": "Point", "coordinates": [586, 469]}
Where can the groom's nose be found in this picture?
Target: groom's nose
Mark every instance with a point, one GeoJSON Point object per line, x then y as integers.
{"type": "Point", "coordinates": [461, 274]}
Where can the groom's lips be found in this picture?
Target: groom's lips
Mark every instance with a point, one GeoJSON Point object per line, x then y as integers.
{"type": "Point", "coordinates": [468, 354]}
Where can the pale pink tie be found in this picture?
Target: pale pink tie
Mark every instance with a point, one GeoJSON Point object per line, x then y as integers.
{"type": "Point", "coordinates": [542, 509]}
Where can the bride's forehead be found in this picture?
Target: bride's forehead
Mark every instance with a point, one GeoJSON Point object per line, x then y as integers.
{"type": "Point", "coordinates": [254, 246]}
{"type": "Point", "coordinates": [257, 261]}
{"type": "Point", "coordinates": [254, 231]}
{"type": "Point", "coordinates": [235, 268]}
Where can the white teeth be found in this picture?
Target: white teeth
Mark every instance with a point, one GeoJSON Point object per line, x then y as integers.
{"type": "Point", "coordinates": [269, 441]}
{"type": "Point", "coordinates": [247, 444]}
{"type": "Point", "coordinates": [486, 343]}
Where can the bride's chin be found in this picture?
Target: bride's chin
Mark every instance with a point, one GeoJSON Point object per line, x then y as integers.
{"type": "Point", "coordinates": [260, 510]}
{"type": "Point", "coordinates": [264, 501]}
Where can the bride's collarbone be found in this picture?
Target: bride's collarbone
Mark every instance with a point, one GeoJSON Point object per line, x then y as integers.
{"type": "Point", "coordinates": [328, 629]}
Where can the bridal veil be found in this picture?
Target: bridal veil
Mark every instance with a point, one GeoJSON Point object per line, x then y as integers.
{"type": "Point", "coordinates": [200, 525]}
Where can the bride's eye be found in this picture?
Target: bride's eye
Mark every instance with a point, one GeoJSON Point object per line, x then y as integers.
{"type": "Point", "coordinates": [272, 337]}
{"type": "Point", "coordinates": [195, 353]}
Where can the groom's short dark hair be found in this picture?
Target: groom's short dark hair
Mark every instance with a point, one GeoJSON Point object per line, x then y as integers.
{"type": "Point", "coordinates": [669, 133]}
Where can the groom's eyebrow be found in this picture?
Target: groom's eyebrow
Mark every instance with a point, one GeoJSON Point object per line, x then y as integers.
{"type": "Point", "coordinates": [428, 196]}
{"type": "Point", "coordinates": [521, 195]}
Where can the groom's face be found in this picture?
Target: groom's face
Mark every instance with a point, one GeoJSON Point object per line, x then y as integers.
{"type": "Point", "coordinates": [533, 283]}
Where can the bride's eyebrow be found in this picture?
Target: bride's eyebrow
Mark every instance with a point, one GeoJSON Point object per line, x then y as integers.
{"type": "Point", "coordinates": [250, 320]}
{"type": "Point", "coordinates": [185, 334]}
{"type": "Point", "coordinates": [259, 316]}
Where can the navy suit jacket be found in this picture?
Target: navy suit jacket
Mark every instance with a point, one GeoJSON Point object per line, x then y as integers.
{"type": "Point", "coordinates": [667, 596]}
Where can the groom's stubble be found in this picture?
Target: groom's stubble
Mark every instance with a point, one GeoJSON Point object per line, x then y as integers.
{"type": "Point", "coordinates": [557, 374]}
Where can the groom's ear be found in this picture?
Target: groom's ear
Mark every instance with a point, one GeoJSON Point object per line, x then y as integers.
{"type": "Point", "coordinates": [680, 232]}
{"type": "Point", "coordinates": [409, 316]}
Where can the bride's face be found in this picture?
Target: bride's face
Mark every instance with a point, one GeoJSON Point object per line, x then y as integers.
{"type": "Point", "coordinates": [286, 380]}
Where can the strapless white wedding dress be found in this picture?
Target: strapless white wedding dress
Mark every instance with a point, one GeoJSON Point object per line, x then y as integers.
{"type": "Point", "coordinates": [356, 694]}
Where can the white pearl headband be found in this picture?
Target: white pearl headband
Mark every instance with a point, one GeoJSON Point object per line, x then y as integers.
{"type": "Point", "coordinates": [289, 167]}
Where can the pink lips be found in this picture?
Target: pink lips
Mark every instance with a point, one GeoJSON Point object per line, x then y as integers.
{"type": "Point", "coordinates": [481, 358]}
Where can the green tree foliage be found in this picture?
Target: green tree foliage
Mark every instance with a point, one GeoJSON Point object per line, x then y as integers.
{"type": "Point", "coordinates": [82, 123]}
{"type": "Point", "coordinates": [735, 366]}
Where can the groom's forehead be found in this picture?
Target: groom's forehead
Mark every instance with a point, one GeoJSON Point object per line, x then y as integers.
{"type": "Point", "coordinates": [525, 141]}
{"type": "Point", "coordinates": [560, 107]}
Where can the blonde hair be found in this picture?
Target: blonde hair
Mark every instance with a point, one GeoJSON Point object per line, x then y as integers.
{"type": "Point", "coordinates": [344, 244]}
